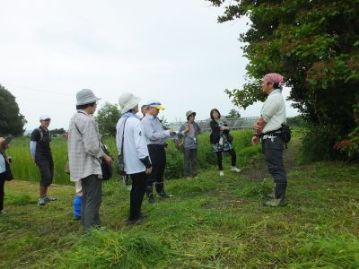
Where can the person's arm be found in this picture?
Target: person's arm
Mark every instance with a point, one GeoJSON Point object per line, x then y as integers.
{"type": "Point", "coordinates": [35, 137]}
{"type": "Point", "coordinates": [91, 139]}
{"type": "Point", "coordinates": [215, 126]}
{"type": "Point", "coordinates": [270, 108]}
{"type": "Point", "coordinates": [153, 135]}
{"type": "Point", "coordinates": [141, 146]}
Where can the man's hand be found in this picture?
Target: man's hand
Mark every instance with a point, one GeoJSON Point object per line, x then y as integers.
{"type": "Point", "coordinates": [107, 159]}
{"type": "Point", "coordinates": [255, 140]}
{"type": "Point", "coordinates": [149, 171]}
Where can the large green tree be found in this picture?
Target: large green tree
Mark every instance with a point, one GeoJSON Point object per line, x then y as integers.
{"type": "Point", "coordinates": [107, 118]}
{"type": "Point", "coordinates": [11, 121]}
{"type": "Point", "coordinates": [314, 44]}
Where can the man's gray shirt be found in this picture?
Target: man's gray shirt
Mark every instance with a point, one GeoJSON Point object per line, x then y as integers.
{"type": "Point", "coordinates": [154, 131]}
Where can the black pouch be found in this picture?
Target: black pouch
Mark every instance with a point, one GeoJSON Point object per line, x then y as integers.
{"type": "Point", "coordinates": [105, 167]}
{"type": "Point", "coordinates": [286, 133]}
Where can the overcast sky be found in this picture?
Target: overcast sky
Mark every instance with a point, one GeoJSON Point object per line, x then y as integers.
{"type": "Point", "coordinates": [172, 51]}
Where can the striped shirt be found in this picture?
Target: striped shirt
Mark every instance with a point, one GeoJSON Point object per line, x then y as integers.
{"type": "Point", "coordinates": [84, 147]}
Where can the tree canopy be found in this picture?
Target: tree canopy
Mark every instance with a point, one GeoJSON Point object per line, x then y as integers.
{"type": "Point", "coordinates": [107, 118]}
{"type": "Point", "coordinates": [11, 121]}
{"type": "Point", "coordinates": [314, 44]}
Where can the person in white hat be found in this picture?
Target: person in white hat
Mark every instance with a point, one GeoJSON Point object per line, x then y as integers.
{"type": "Point", "coordinates": [85, 156]}
{"type": "Point", "coordinates": [189, 131]}
{"type": "Point", "coordinates": [131, 144]}
{"type": "Point", "coordinates": [156, 138]}
{"type": "Point", "coordinates": [41, 154]}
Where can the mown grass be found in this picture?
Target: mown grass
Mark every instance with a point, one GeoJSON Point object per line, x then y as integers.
{"type": "Point", "coordinates": [209, 223]}
{"type": "Point", "coordinates": [24, 168]}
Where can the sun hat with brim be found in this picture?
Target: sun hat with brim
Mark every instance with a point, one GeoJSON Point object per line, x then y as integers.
{"type": "Point", "coordinates": [45, 117]}
{"type": "Point", "coordinates": [128, 101]}
{"type": "Point", "coordinates": [156, 104]}
{"type": "Point", "coordinates": [85, 97]}
{"type": "Point", "coordinates": [190, 113]}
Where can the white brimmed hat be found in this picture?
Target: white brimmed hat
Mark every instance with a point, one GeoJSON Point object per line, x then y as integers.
{"type": "Point", "coordinates": [85, 97]}
{"type": "Point", "coordinates": [128, 101]}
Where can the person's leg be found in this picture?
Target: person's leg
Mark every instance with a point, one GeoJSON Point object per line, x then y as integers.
{"type": "Point", "coordinates": [220, 160]}
{"type": "Point", "coordinates": [2, 194]}
{"type": "Point", "coordinates": [150, 180]}
{"type": "Point", "coordinates": [45, 181]}
{"type": "Point", "coordinates": [273, 152]}
{"type": "Point", "coordinates": [136, 196]}
{"type": "Point", "coordinates": [92, 188]}
{"type": "Point", "coordinates": [161, 172]}
{"type": "Point", "coordinates": [194, 162]}
{"type": "Point", "coordinates": [187, 162]}
{"type": "Point", "coordinates": [233, 157]}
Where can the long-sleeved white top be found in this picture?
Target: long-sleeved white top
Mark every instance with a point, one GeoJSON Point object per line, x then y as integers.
{"type": "Point", "coordinates": [135, 145]}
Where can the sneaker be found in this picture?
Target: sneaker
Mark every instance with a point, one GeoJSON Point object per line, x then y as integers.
{"type": "Point", "coordinates": [221, 174]}
{"type": "Point", "coordinates": [49, 199]}
{"type": "Point", "coordinates": [3, 212]}
{"type": "Point", "coordinates": [42, 202]}
{"type": "Point", "coordinates": [235, 169]}
{"type": "Point", "coordinates": [164, 195]}
{"type": "Point", "coordinates": [270, 195]}
{"type": "Point", "coordinates": [274, 203]}
{"type": "Point", "coordinates": [151, 198]}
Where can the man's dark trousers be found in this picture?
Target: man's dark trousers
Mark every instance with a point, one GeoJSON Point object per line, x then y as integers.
{"type": "Point", "coordinates": [91, 201]}
{"type": "Point", "coordinates": [273, 154]}
{"type": "Point", "coordinates": [158, 159]}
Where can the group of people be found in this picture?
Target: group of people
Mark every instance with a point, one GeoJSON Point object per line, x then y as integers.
{"type": "Point", "coordinates": [141, 145]}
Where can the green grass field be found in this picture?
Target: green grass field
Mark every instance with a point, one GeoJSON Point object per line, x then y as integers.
{"type": "Point", "coordinates": [209, 223]}
{"type": "Point", "coordinates": [24, 168]}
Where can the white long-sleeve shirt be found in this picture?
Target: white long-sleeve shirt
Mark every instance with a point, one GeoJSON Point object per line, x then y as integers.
{"type": "Point", "coordinates": [135, 145]}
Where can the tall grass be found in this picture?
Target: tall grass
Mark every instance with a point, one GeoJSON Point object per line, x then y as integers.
{"type": "Point", "coordinates": [24, 168]}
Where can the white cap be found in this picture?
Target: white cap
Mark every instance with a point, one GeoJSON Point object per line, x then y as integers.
{"type": "Point", "coordinates": [45, 117]}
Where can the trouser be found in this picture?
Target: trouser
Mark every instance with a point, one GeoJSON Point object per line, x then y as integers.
{"type": "Point", "coordinates": [2, 192]}
{"type": "Point", "coordinates": [46, 168]}
{"type": "Point", "coordinates": [273, 154]}
{"type": "Point", "coordinates": [91, 201]}
{"type": "Point", "coordinates": [137, 192]}
{"type": "Point", "coordinates": [158, 158]}
{"type": "Point", "coordinates": [220, 158]}
{"type": "Point", "coordinates": [190, 162]}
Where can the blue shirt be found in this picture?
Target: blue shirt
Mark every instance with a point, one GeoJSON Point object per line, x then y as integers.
{"type": "Point", "coordinates": [154, 132]}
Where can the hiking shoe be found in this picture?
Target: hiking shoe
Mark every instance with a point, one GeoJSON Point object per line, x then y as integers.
{"type": "Point", "coordinates": [270, 195]}
{"type": "Point", "coordinates": [221, 174]}
{"type": "Point", "coordinates": [49, 199]}
{"type": "Point", "coordinates": [151, 198]}
{"type": "Point", "coordinates": [42, 202]}
{"type": "Point", "coordinates": [164, 195]}
{"type": "Point", "coordinates": [274, 203]}
{"type": "Point", "coordinates": [235, 169]}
